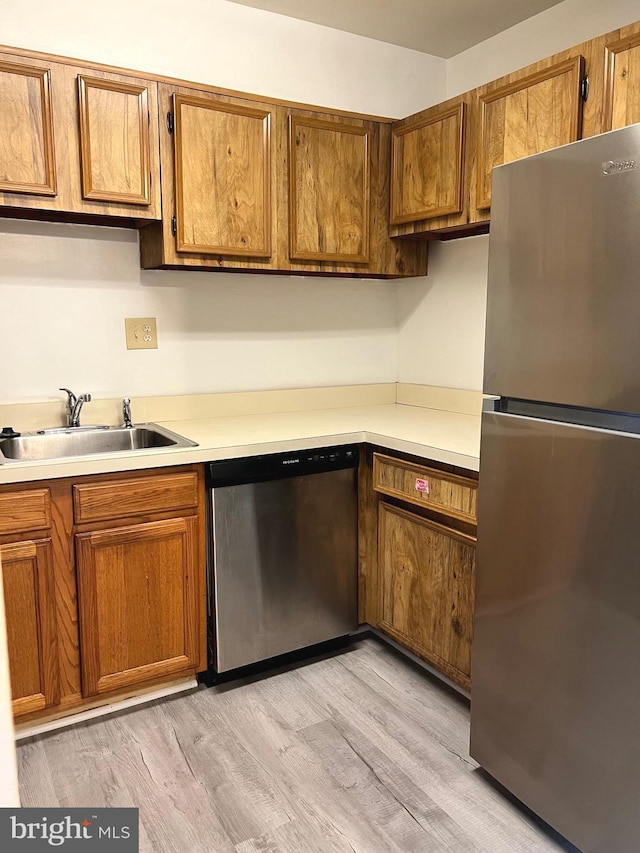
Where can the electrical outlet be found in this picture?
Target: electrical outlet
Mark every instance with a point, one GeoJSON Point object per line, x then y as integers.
{"type": "Point", "coordinates": [141, 332]}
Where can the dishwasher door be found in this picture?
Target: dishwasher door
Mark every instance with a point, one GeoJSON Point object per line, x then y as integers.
{"type": "Point", "coordinates": [284, 565]}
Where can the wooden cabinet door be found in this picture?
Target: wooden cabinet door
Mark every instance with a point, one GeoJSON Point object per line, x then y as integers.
{"type": "Point", "coordinates": [525, 116]}
{"type": "Point", "coordinates": [27, 575]}
{"type": "Point", "coordinates": [114, 140]}
{"type": "Point", "coordinates": [622, 82]}
{"type": "Point", "coordinates": [222, 177]}
{"type": "Point", "coordinates": [137, 603]}
{"type": "Point", "coordinates": [329, 190]}
{"type": "Point", "coordinates": [426, 578]}
{"type": "Point", "coordinates": [27, 159]}
{"type": "Point", "coordinates": [427, 160]}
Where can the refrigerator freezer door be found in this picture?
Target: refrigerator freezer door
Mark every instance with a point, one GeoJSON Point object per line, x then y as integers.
{"type": "Point", "coordinates": [563, 309]}
{"type": "Point", "coordinates": [556, 659]}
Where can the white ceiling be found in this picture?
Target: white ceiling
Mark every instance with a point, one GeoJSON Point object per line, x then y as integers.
{"type": "Point", "coordinates": [440, 27]}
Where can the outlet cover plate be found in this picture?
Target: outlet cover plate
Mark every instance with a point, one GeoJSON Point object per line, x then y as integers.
{"type": "Point", "coordinates": [141, 332]}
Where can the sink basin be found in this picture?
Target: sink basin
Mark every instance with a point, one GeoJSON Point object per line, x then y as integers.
{"type": "Point", "coordinates": [85, 441]}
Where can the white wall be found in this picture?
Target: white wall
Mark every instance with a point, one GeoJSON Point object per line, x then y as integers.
{"type": "Point", "coordinates": [441, 317]}
{"type": "Point", "coordinates": [234, 46]}
{"type": "Point", "coordinates": [441, 331]}
{"type": "Point", "coordinates": [65, 290]}
{"type": "Point", "coordinates": [549, 32]}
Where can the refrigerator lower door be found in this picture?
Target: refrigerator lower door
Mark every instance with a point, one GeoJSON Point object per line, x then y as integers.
{"type": "Point", "coordinates": [555, 712]}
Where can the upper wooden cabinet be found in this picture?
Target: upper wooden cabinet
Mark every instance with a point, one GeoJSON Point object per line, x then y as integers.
{"type": "Point", "coordinates": [114, 139]}
{"type": "Point", "coordinates": [524, 115]}
{"type": "Point", "coordinates": [27, 158]}
{"type": "Point", "coordinates": [622, 81]}
{"type": "Point", "coordinates": [329, 190]}
{"type": "Point", "coordinates": [222, 177]}
{"type": "Point", "coordinates": [256, 186]}
{"type": "Point", "coordinates": [427, 164]}
{"type": "Point", "coordinates": [77, 140]}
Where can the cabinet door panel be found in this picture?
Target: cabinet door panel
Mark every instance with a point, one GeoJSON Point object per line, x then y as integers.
{"type": "Point", "coordinates": [27, 162]}
{"type": "Point", "coordinates": [27, 574]}
{"type": "Point", "coordinates": [527, 116]}
{"type": "Point", "coordinates": [114, 139]}
{"type": "Point", "coordinates": [622, 92]}
{"type": "Point", "coordinates": [223, 177]}
{"type": "Point", "coordinates": [427, 584]}
{"type": "Point", "coordinates": [138, 608]}
{"type": "Point", "coordinates": [427, 166]}
{"type": "Point", "coordinates": [329, 191]}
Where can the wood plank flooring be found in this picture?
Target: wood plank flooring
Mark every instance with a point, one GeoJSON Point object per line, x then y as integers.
{"type": "Point", "coordinates": [360, 751]}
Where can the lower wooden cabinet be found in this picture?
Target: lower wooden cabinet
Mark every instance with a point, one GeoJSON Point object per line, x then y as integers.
{"type": "Point", "coordinates": [426, 575]}
{"type": "Point", "coordinates": [416, 555]}
{"type": "Point", "coordinates": [138, 603]}
{"type": "Point", "coordinates": [32, 637]}
{"type": "Point", "coordinates": [104, 585]}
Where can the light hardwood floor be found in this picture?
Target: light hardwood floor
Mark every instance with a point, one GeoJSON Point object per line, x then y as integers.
{"type": "Point", "coordinates": [360, 751]}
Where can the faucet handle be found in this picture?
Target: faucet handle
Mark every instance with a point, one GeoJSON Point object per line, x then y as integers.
{"type": "Point", "coordinates": [71, 397]}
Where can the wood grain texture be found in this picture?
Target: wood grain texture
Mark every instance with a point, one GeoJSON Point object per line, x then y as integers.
{"type": "Point", "coordinates": [622, 81]}
{"type": "Point", "coordinates": [427, 587]}
{"type": "Point", "coordinates": [138, 603]}
{"type": "Point", "coordinates": [222, 177]}
{"type": "Point", "coordinates": [329, 190]}
{"type": "Point", "coordinates": [32, 640]}
{"type": "Point", "coordinates": [358, 751]}
{"type": "Point", "coordinates": [22, 510]}
{"type": "Point", "coordinates": [527, 115]}
{"type": "Point", "coordinates": [114, 140]}
{"type": "Point", "coordinates": [27, 158]}
{"type": "Point", "coordinates": [387, 257]}
{"type": "Point", "coordinates": [65, 112]}
{"type": "Point", "coordinates": [427, 164]}
{"type": "Point", "coordinates": [445, 493]}
{"type": "Point", "coordinates": [368, 596]}
{"type": "Point", "coordinates": [124, 497]}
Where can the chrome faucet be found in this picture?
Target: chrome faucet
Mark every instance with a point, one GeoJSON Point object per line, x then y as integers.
{"type": "Point", "coordinates": [126, 412]}
{"type": "Point", "coordinates": [74, 406]}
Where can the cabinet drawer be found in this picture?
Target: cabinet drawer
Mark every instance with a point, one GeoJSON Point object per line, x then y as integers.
{"type": "Point", "coordinates": [21, 511]}
{"type": "Point", "coordinates": [126, 498]}
{"type": "Point", "coordinates": [445, 493]}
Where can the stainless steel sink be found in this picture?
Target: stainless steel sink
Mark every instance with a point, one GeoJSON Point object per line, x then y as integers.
{"type": "Point", "coordinates": [85, 441]}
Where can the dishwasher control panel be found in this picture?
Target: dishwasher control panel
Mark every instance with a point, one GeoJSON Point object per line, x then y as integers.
{"type": "Point", "coordinates": [253, 469]}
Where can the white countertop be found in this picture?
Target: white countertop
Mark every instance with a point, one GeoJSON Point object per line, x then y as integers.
{"type": "Point", "coordinates": [435, 434]}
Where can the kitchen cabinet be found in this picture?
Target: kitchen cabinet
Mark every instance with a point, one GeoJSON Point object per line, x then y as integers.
{"type": "Point", "coordinates": [26, 557]}
{"type": "Point", "coordinates": [27, 576]}
{"type": "Point", "coordinates": [429, 168]}
{"type": "Point", "coordinates": [622, 80]}
{"type": "Point", "coordinates": [533, 110]}
{"type": "Point", "coordinates": [77, 141]}
{"type": "Point", "coordinates": [427, 589]}
{"type": "Point", "coordinates": [417, 558]}
{"type": "Point", "coordinates": [258, 186]}
{"type": "Point", "coordinates": [329, 189]}
{"type": "Point", "coordinates": [104, 582]}
{"type": "Point", "coordinates": [138, 603]}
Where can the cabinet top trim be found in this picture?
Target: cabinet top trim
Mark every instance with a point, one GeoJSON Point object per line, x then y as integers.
{"type": "Point", "coordinates": [176, 81]}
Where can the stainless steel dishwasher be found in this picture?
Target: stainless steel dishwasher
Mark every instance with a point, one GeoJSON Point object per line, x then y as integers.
{"type": "Point", "coordinates": [282, 553]}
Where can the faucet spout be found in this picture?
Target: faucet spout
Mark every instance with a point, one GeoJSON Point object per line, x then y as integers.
{"type": "Point", "coordinates": [74, 406]}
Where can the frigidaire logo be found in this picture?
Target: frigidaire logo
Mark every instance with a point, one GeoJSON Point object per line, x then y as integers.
{"type": "Point", "coordinates": [614, 167]}
{"type": "Point", "coordinates": [70, 829]}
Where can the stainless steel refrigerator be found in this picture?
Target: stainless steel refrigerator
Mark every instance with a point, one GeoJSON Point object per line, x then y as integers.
{"type": "Point", "coordinates": [555, 711]}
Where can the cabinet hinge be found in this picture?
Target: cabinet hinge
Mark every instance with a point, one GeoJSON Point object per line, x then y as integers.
{"type": "Point", "coordinates": [170, 122]}
{"type": "Point", "coordinates": [584, 87]}
{"type": "Point", "coordinates": [174, 226]}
